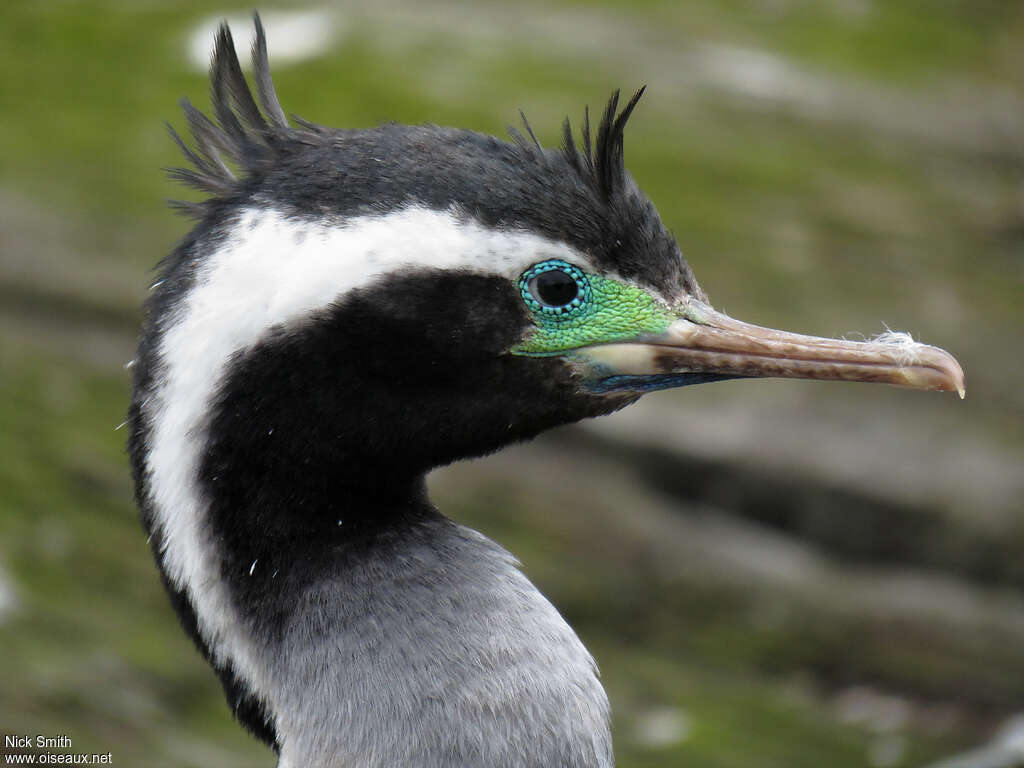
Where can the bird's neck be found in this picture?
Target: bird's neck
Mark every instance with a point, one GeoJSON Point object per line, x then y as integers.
{"type": "Point", "coordinates": [427, 646]}
{"type": "Point", "coordinates": [368, 630]}
{"type": "Point", "coordinates": [351, 623]}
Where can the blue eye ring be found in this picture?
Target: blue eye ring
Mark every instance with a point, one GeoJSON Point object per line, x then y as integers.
{"type": "Point", "coordinates": [530, 294]}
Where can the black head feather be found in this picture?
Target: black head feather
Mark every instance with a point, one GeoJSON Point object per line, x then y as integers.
{"type": "Point", "coordinates": [249, 134]}
{"type": "Point", "coordinates": [605, 168]}
{"type": "Point", "coordinates": [601, 165]}
{"type": "Point", "coordinates": [579, 195]}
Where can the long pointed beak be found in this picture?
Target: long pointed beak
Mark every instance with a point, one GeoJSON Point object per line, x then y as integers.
{"type": "Point", "coordinates": [705, 344]}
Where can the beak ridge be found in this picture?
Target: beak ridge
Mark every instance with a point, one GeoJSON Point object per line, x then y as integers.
{"type": "Point", "coordinates": [705, 341]}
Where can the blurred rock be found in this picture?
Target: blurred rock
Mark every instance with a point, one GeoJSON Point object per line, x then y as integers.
{"type": "Point", "coordinates": [660, 728]}
{"type": "Point", "coordinates": [1005, 751]}
{"type": "Point", "coordinates": [8, 601]}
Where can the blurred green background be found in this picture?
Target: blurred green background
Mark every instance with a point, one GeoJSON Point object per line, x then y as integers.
{"type": "Point", "coordinates": [774, 574]}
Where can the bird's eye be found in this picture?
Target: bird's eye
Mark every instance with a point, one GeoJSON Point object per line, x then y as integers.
{"type": "Point", "coordinates": [554, 287]}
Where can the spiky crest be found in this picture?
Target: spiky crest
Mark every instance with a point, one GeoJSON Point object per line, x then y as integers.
{"type": "Point", "coordinates": [251, 133]}
{"type": "Point", "coordinates": [602, 164]}
{"type": "Point", "coordinates": [248, 134]}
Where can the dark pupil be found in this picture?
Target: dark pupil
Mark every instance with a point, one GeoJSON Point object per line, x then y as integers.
{"type": "Point", "coordinates": [555, 288]}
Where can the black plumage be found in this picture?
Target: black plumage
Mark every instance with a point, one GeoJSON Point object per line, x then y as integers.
{"type": "Point", "coordinates": [584, 197]}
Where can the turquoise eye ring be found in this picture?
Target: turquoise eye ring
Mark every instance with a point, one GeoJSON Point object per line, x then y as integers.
{"type": "Point", "coordinates": [555, 272]}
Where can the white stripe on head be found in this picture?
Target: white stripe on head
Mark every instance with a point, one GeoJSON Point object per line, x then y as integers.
{"type": "Point", "coordinates": [273, 271]}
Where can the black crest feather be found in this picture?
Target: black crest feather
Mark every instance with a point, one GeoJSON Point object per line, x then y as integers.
{"type": "Point", "coordinates": [250, 133]}
{"type": "Point", "coordinates": [247, 133]}
{"type": "Point", "coordinates": [602, 163]}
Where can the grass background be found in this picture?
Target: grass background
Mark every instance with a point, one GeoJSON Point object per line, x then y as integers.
{"type": "Point", "coordinates": [769, 573]}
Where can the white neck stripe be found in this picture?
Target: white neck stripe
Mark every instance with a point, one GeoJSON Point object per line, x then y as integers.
{"type": "Point", "coordinates": [272, 271]}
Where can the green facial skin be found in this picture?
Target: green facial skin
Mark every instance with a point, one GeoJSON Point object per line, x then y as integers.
{"type": "Point", "coordinates": [609, 311]}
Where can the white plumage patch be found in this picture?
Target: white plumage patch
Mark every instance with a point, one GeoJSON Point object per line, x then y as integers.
{"type": "Point", "coordinates": [274, 271]}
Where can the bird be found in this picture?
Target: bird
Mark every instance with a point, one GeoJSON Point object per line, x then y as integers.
{"type": "Point", "coordinates": [354, 308]}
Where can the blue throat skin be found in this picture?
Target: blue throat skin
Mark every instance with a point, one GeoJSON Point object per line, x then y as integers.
{"type": "Point", "coordinates": [653, 382]}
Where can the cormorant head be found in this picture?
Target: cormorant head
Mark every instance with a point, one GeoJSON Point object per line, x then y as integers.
{"type": "Point", "coordinates": [426, 293]}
